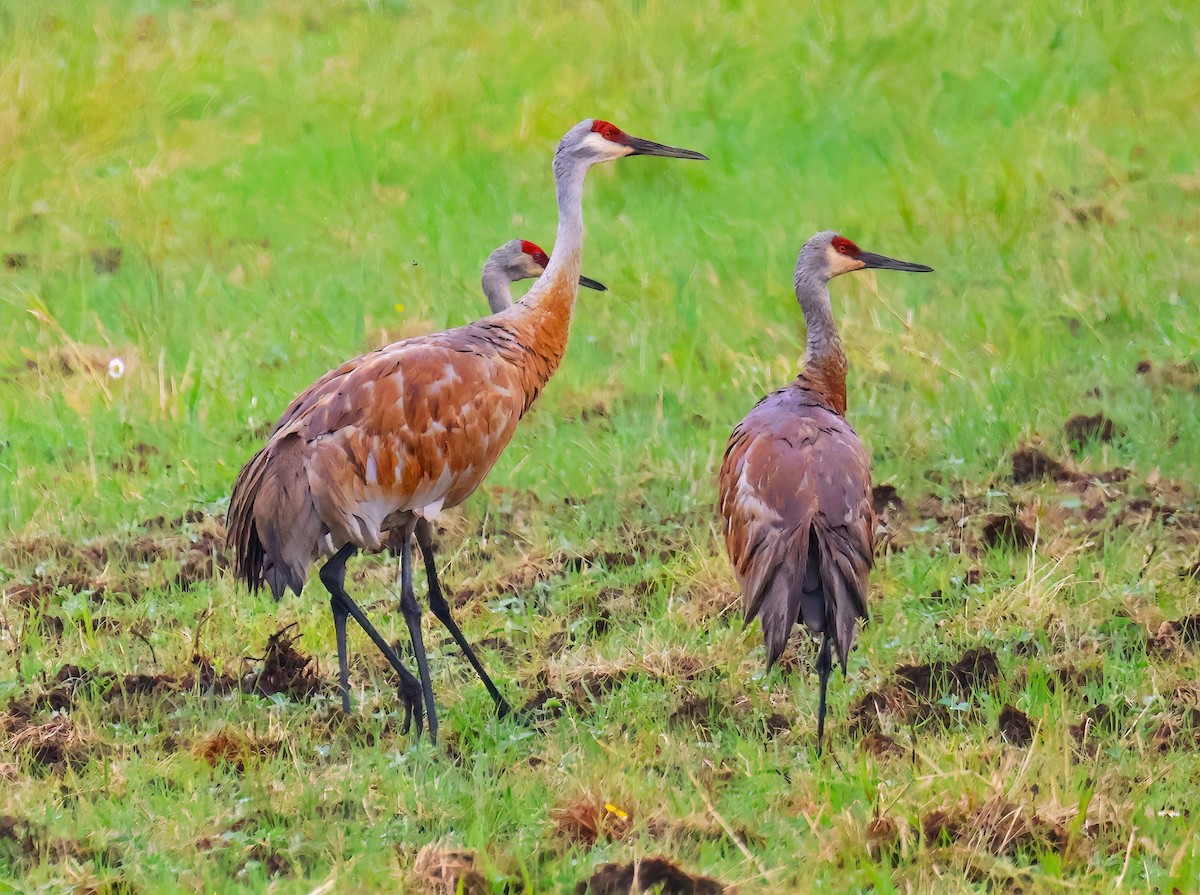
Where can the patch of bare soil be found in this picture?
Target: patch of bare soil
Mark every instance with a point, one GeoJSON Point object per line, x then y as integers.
{"type": "Point", "coordinates": [643, 876]}
{"type": "Point", "coordinates": [1173, 636]}
{"type": "Point", "coordinates": [917, 693]}
{"type": "Point", "coordinates": [203, 559]}
{"type": "Point", "coordinates": [1081, 430]}
{"type": "Point", "coordinates": [884, 498]}
{"type": "Point", "coordinates": [106, 260]}
{"type": "Point", "coordinates": [1101, 719]}
{"type": "Point", "coordinates": [234, 749]}
{"type": "Point", "coordinates": [447, 871]}
{"type": "Point", "coordinates": [1031, 464]}
{"type": "Point", "coordinates": [1015, 726]}
{"type": "Point", "coordinates": [285, 670]}
{"type": "Point", "coordinates": [1184, 376]}
{"type": "Point", "coordinates": [880, 745]}
{"type": "Point", "coordinates": [1006, 532]}
{"type": "Point", "coordinates": [24, 843]}
{"type": "Point", "coordinates": [883, 837]}
{"type": "Point", "coordinates": [997, 826]}
{"type": "Point", "coordinates": [56, 744]}
{"type": "Point", "coordinates": [586, 821]}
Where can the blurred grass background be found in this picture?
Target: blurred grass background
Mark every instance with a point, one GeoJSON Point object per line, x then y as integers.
{"type": "Point", "coordinates": [231, 198]}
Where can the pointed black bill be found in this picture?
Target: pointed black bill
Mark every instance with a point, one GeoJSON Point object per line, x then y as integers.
{"type": "Point", "coordinates": [592, 284]}
{"type": "Point", "coordinates": [882, 262]}
{"type": "Point", "coordinates": [649, 147]}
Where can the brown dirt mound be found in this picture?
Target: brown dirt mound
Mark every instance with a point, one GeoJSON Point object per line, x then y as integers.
{"type": "Point", "coordinates": [1174, 635]}
{"type": "Point", "coordinates": [977, 667]}
{"type": "Point", "coordinates": [880, 744]}
{"type": "Point", "coordinates": [449, 871]}
{"type": "Point", "coordinates": [884, 497]}
{"type": "Point", "coordinates": [24, 843]}
{"type": "Point", "coordinates": [55, 744]}
{"type": "Point", "coordinates": [229, 747]}
{"type": "Point", "coordinates": [586, 821]}
{"type": "Point", "coordinates": [997, 826]}
{"type": "Point", "coordinates": [285, 670]}
{"type": "Point", "coordinates": [1080, 430]}
{"type": "Point", "coordinates": [1031, 464]}
{"type": "Point", "coordinates": [643, 876]}
{"type": "Point", "coordinates": [1006, 533]}
{"type": "Point", "coordinates": [915, 692]}
{"type": "Point", "coordinates": [1015, 726]}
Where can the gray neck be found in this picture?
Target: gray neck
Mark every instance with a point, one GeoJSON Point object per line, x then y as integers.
{"type": "Point", "coordinates": [565, 260]}
{"type": "Point", "coordinates": [496, 286]}
{"type": "Point", "coordinates": [812, 291]}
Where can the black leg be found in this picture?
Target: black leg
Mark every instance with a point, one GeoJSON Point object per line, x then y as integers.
{"type": "Point", "coordinates": [824, 666]}
{"type": "Point", "coordinates": [412, 615]}
{"type": "Point", "coordinates": [340, 613]}
{"type": "Point", "coordinates": [333, 576]}
{"type": "Point", "coordinates": [441, 609]}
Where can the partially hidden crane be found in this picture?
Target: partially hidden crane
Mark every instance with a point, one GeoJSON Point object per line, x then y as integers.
{"type": "Point", "coordinates": [388, 439]}
{"type": "Point", "coordinates": [516, 260]}
{"type": "Point", "coordinates": [795, 484]}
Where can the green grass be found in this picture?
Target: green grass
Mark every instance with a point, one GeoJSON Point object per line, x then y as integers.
{"type": "Point", "coordinates": [290, 183]}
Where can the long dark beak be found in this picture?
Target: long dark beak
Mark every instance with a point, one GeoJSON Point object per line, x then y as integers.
{"type": "Point", "coordinates": [882, 262]}
{"type": "Point", "coordinates": [592, 284]}
{"type": "Point", "coordinates": [648, 147]}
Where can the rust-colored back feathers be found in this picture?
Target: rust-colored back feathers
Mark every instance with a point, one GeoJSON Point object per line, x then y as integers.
{"type": "Point", "coordinates": [410, 428]}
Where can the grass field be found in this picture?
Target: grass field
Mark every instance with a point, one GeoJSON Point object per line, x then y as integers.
{"type": "Point", "coordinates": [220, 201]}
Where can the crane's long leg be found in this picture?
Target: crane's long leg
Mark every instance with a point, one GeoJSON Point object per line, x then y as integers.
{"type": "Point", "coordinates": [824, 666]}
{"type": "Point", "coordinates": [441, 609]}
{"type": "Point", "coordinates": [412, 615]}
{"type": "Point", "coordinates": [340, 614]}
{"type": "Point", "coordinates": [333, 576]}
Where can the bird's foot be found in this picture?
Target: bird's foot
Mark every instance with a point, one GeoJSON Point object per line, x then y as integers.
{"type": "Point", "coordinates": [414, 708]}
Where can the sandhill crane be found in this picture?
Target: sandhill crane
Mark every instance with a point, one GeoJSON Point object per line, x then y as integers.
{"type": "Point", "coordinates": [795, 484]}
{"type": "Point", "coordinates": [388, 439]}
{"type": "Point", "coordinates": [517, 259]}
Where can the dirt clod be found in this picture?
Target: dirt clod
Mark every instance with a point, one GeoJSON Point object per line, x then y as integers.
{"type": "Point", "coordinates": [643, 876]}
{"type": "Point", "coordinates": [1015, 726]}
{"type": "Point", "coordinates": [449, 871]}
{"type": "Point", "coordinates": [285, 670]}
{"type": "Point", "coordinates": [587, 821]}
{"type": "Point", "coordinates": [880, 744]}
{"type": "Point", "coordinates": [1080, 430]}
{"type": "Point", "coordinates": [883, 837]}
{"type": "Point", "coordinates": [975, 668]}
{"type": "Point", "coordinates": [884, 497]}
{"type": "Point", "coordinates": [1006, 532]}
{"type": "Point", "coordinates": [1173, 635]}
{"type": "Point", "coordinates": [106, 260]}
{"type": "Point", "coordinates": [1030, 464]}
{"type": "Point", "coordinates": [230, 747]}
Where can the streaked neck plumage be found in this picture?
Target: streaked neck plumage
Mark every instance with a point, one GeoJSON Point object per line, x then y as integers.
{"type": "Point", "coordinates": [825, 363]}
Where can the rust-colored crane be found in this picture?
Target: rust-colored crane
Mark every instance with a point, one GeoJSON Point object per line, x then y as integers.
{"type": "Point", "coordinates": [795, 484]}
{"type": "Point", "coordinates": [517, 259]}
{"type": "Point", "coordinates": [388, 439]}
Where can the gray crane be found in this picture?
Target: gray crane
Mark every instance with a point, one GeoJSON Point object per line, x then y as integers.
{"type": "Point", "coordinates": [517, 259]}
{"type": "Point", "coordinates": [795, 484]}
{"type": "Point", "coordinates": [387, 440]}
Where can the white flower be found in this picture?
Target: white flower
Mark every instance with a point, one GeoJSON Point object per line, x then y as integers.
{"type": "Point", "coordinates": [116, 368]}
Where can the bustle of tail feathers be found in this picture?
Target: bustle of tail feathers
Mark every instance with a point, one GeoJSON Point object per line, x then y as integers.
{"type": "Point", "coordinates": [809, 585]}
{"type": "Point", "coordinates": [274, 528]}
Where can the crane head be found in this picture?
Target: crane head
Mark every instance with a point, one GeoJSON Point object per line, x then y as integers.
{"type": "Point", "coordinates": [594, 140]}
{"type": "Point", "coordinates": [525, 260]}
{"type": "Point", "coordinates": [829, 255]}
